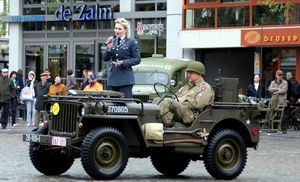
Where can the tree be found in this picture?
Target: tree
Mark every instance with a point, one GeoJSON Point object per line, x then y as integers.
{"type": "Point", "coordinates": [285, 7]}
{"type": "Point", "coordinates": [3, 25]}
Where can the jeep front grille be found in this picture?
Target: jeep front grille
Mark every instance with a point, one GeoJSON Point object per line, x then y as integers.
{"type": "Point", "coordinates": [65, 122]}
{"type": "Point", "coordinates": [143, 98]}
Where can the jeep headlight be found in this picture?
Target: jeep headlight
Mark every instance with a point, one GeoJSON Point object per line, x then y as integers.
{"type": "Point", "coordinates": [101, 108]}
{"type": "Point", "coordinates": [81, 110]}
{"type": "Point", "coordinates": [172, 82]}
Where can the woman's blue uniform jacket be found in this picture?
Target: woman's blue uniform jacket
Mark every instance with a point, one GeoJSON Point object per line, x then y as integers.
{"type": "Point", "coordinates": [129, 53]}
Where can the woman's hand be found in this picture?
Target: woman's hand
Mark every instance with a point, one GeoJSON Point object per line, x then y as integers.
{"type": "Point", "coordinates": [117, 63]}
{"type": "Point", "coordinates": [110, 43]}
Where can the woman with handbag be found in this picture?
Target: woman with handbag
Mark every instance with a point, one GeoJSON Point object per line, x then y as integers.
{"type": "Point", "coordinates": [28, 96]}
{"type": "Point", "coordinates": [15, 97]}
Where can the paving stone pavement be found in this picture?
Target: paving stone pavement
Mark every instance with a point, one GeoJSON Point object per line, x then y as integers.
{"type": "Point", "coordinates": [276, 160]}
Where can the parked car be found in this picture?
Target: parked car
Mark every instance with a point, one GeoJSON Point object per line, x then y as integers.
{"type": "Point", "coordinates": [168, 71]}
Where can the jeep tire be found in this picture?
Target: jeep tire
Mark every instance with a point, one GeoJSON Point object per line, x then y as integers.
{"type": "Point", "coordinates": [170, 164]}
{"type": "Point", "coordinates": [49, 162]}
{"type": "Point", "coordinates": [104, 153]}
{"type": "Point", "coordinates": [225, 155]}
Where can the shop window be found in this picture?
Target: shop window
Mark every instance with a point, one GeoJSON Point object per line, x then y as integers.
{"type": "Point", "coordinates": [203, 17]}
{"type": "Point", "coordinates": [288, 61]}
{"type": "Point", "coordinates": [57, 25]}
{"type": "Point", "coordinates": [151, 36]}
{"type": "Point", "coordinates": [262, 16]}
{"type": "Point", "coordinates": [34, 26]}
{"type": "Point", "coordinates": [233, 16]}
{"type": "Point", "coordinates": [270, 66]}
{"type": "Point", "coordinates": [84, 25]}
{"type": "Point", "coordinates": [107, 24]}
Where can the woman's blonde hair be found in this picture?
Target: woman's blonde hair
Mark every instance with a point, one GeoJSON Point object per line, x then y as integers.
{"type": "Point", "coordinates": [125, 24]}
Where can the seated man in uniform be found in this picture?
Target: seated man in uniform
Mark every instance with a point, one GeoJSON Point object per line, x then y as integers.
{"type": "Point", "coordinates": [193, 97]}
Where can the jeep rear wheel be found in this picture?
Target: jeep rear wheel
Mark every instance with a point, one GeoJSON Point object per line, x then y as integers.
{"type": "Point", "coordinates": [225, 155]}
{"type": "Point", "coordinates": [46, 160]}
{"type": "Point", "coordinates": [170, 164]}
{"type": "Point", "coordinates": [104, 153]}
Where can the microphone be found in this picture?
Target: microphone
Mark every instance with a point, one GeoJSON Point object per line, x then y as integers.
{"type": "Point", "coordinates": [110, 39]}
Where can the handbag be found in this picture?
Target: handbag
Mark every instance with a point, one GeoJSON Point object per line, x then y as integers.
{"type": "Point", "coordinates": [18, 100]}
{"type": "Point", "coordinates": [26, 93]}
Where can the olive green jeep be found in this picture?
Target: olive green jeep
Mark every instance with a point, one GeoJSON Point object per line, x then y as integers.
{"type": "Point", "coordinates": [169, 71]}
{"type": "Point", "coordinates": [104, 129]}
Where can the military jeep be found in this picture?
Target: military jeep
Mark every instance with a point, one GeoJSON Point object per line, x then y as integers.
{"type": "Point", "coordinates": [104, 129]}
{"type": "Point", "coordinates": [169, 71]}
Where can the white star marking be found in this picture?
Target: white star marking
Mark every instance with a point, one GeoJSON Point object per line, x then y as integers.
{"type": "Point", "coordinates": [248, 121]}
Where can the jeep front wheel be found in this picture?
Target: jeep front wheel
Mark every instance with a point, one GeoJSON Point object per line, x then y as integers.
{"type": "Point", "coordinates": [225, 155]}
{"type": "Point", "coordinates": [46, 160]}
{"type": "Point", "coordinates": [104, 153]}
{"type": "Point", "coordinates": [170, 164]}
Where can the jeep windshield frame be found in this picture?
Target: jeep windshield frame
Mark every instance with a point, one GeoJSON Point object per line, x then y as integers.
{"type": "Point", "coordinates": [149, 78]}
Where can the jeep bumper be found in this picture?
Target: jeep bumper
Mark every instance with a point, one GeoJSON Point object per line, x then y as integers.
{"type": "Point", "coordinates": [48, 140]}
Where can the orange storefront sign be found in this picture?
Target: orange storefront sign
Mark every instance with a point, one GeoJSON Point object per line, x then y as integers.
{"type": "Point", "coordinates": [267, 37]}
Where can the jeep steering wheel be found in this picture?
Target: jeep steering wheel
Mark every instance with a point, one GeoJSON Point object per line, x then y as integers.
{"type": "Point", "coordinates": [165, 94]}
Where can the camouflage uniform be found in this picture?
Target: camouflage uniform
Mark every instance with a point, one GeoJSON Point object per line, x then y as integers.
{"type": "Point", "coordinates": [196, 96]}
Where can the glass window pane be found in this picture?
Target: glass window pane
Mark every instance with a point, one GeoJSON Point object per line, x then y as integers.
{"type": "Point", "coordinates": [263, 16]}
{"type": "Point", "coordinates": [203, 17]}
{"type": "Point", "coordinates": [34, 2]}
{"type": "Point", "coordinates": [34, 56]}
{"type": "Point", "coordinates": [106, 24]}
{"type": "Point", "coordinates": [161, 6]}
{"type": "Point", "coordinates": [34, 11]}
{"type": "Point", "coordinates": [233, 16]}
{"type": "Point", "coordinates": [84, 25]}
{"type": "Point", "coordinates": [295, 14]}
{"type": "Point", "coordinates": [145, 7]}
{"type": "Point", "coordinates": [84, 57]}
{"type": "Point", "coordinates": [57, 25]}
{"type": "Point", "coordinates": [51, 10]}
{"type": "Point", "coordinates": [288, 61]}
{"type": "Point", "coordinates": [57, 59]}
{"type": "Point", "coordinates": [34, 26]}
{"type": "Point", "coordinates": [151, 36]}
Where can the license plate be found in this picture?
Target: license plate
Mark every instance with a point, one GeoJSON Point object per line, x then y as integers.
{"type": "Point", "coordinates": [32, 138]}
{"type": "Point", "coordinates": [58, 141]}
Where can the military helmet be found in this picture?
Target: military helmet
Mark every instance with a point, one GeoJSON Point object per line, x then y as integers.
{"type": "Point", "coordinates": [197, 67]}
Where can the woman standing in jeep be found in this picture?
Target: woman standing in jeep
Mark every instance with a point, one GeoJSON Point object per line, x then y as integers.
{"type": "Point", "coordinates": [125, 53]}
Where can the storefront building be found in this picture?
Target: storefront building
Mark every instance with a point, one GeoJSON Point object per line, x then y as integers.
{"type": "Point", "coordinates": [241, 37]}
{"type": "Point", "coordinates": [71, 34]}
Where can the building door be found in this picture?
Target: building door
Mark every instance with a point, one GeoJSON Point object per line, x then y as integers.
{"type": "Point", "coordinates": [84, 59]}
{"type": "Point", "coordinates": [57, 58]}
{"type": "Point", "coordinates": [34, 60]}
